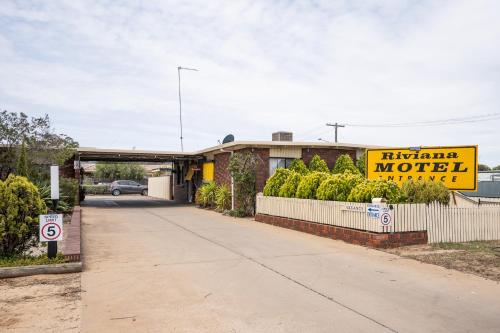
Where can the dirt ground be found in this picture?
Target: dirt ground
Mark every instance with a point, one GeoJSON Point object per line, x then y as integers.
{"type": "Point", "coordinates": [479, 258]}
{"type": "Point", "coordinates": [41, 303]}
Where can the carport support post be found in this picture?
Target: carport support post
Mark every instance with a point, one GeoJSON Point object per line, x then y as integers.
{"type": "Point", "coordinates": [232, 187]}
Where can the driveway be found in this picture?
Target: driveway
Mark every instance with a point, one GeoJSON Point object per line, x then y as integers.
{"type": "Point", "coordinates": [151, 266]}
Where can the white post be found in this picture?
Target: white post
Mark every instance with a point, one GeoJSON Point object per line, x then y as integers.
{"type": "Point", "coordinates": [54, 182]}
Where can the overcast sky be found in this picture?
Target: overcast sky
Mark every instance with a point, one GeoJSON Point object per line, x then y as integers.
{"type": "Point", "coordinates": [106, 71]}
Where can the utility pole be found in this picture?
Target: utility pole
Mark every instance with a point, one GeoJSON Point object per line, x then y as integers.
{"type": "Point", "coordinates": [180, 103]}
{"type": "Point", "coordinates": [336, 125]}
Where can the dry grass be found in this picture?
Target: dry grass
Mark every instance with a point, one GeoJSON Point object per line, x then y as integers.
{"type": "Point", "coordinates": [479, 258]}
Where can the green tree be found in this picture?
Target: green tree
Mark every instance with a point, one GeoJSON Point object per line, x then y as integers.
{"type": "Point", "coordinates": [338, 186]}
{"type": "Point", "coordinates": [497, 167]}
{"type": "Point", "coordinates": [344, 163]}
{"type": "Point", "coordinates": [309, 184]}
{"type": "Point", "coordinates": [114, 171]}
{"type": "Point", "coordinates": [22, 162]}
{"type": "Point", "coordinates": [483, 167]}
{"type": "Point", "coordinates": [425, 191]}
{"type": "Point", "coordinates": [318, 164]}
{"type": "Point", "coordinates": [361, 164]}
{"type": "Point", "coordinates": [20, 206]}
{"type": "Point", "coordinates": [299, 166]}
{"type": "Point", "coordinates": [369, 189]}
{"type": "Point", "coordinates": [45, 147]}
{"type": "Point", "coordinates": [243, 169]}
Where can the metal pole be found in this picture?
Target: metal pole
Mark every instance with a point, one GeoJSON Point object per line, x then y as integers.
{"type": "Point", "coordinates": [180, 104]}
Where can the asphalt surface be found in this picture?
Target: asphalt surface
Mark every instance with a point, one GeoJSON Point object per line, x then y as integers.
{"type": "Point", "coordinates": [151, 266]}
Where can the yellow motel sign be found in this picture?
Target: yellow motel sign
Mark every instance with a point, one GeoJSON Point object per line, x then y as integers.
{"type": "Point", "coordinates": [455, 166]}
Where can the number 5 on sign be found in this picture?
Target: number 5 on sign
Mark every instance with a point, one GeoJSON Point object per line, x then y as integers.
{"type": "Point", "coordinates": [386, 217]}
{"type": "Point", "coordinates": [51, 227]}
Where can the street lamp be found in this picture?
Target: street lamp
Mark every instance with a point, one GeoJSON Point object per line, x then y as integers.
{"type": "Point", "coordinates": [320, 139]}
{"type": "Point", "coordinates": [180, 103]}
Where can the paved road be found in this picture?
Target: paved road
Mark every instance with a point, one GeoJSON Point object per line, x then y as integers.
{"type": "Point", "coordinates": [155, 267]}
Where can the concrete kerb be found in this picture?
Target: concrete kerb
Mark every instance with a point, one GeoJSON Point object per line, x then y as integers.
{"type": "Point", "coordinates": [12, 272]}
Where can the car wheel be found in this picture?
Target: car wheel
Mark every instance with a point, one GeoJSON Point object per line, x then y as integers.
{"type": "Point", "coordinates": [116, 193]}
{"type": "Point", "coordinates": [144, 192]}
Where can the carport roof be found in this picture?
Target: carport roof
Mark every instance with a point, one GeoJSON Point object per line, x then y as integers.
{"type": "Point", "coordinates": [133, 155]}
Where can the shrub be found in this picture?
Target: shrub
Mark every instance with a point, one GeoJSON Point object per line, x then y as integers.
{"type": "Point", "coordinates": [369, 189]}
{"type": "Point", "coordinates": [309, 184]}
{"type": "Point", "coordinates": [68, 188]}
{"type": "Point", "coordinates": [243, 169]}
{"type": "Point", "coordinates": [361, 164]}
{"type": "Point", "coordinates": [317, 164]}
{"type": "Point", "coordinates": [222, 198]}
{"type": "Point", "coordinates": [96, 189]}
{"type": "Point", "coordinates": [20, 205]}
{"type": "Point", "coordinates": [425, 191]}
{"type": "Point", "coordinates": [207, 194]}
{"type": "Point", "coordinates": [344, 163]}
{"type": "Point", "coordinates": [289, 188]}
{"type": "Point", "coordinates": [338, 187]}
{"type": "Point", "coordinates": [299, 167]}
{"type": "Point", "coordinates": [274, 183]}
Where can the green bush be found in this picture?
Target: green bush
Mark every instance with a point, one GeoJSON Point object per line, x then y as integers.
{"type": "Point", "coordinates": [68, 189]}
{"type": "Point", "coordinates": [338, 187]}
{"type": "Point", "coordinates": [222, 198]}
{"type": "Point", "coordinates": [317, 164]}
{"type": "Point", "coordinates": [96, 189]}
{"type": "Point", "coordinates": [289, 188]}
{"type": "Point", "coordinates": [298, 166]}
{"type": "Point", "coordinates": [344, 163]}
{"type": "Point", "coordinates": [369, 189]}
{"type": "Point", "coordinates": [207, 194]}
{"type": "Point", "coordinates": [361, 164]}
{"type": "Point", "coordinates": [20, 205]}
{"type": "Point", "coordinates": [274, 183]}
{"type": "Point", "coordinates": [425, 191]}
{"type": "Point", "coordinates": [309, 184]}
{"type": "Point", "coordinates": [243, 169]}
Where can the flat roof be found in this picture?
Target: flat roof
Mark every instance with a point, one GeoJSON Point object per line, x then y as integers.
{"type": "Point", "coordinates": [108, 154]}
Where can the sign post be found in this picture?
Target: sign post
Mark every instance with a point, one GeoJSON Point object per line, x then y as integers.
{"type": "Point", "coordinates": [51, 225]}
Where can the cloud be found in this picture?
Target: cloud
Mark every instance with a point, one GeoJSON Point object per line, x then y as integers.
{"type": "Point", "coordinates": [99, 67]}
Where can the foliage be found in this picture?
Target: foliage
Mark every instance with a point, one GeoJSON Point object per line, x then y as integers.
{"type": "Point", "coordinates": [483, 167]}
{"type": "Point", "coordinates": [115, 171]}
{"type": "Point", "coordinates": [207, 194]}
{"type": "Point", "coordinates": [43, 145]}
{"type": "Point", "coordinates": [317, 164]}
{"type": "Point", "coordinates": [96, 189]}
{"type": "Point", "coordinates": [44, 190]}
{"type": "Point", "coordinates": [222, 198]}
{"type": "Point", "coordinates": [344, 163]}
{"type": "Point", "coordinates": [361, 164]}
{"type": "Point", "coordinates": [299, 166]}
{"type": "Point", "coordinates": [20, 205]}
{"type": "Point", "coordinates": [338, 187]}
{"type": "Point", "coordinates": [243, 169]}
{"type": "Point", "coordinates": [274, 183]}
{"type": "Point", "coordinates": [309, 184]}
{"type": "Point", "coordinates": [369, 189]}
{"type": "Point", "coordinates": [22, 162]}
{"type": "Point", "coordinates": [497, 167]}
{"type": "Point", "coordinates": [68, 188]}
{"type": "Point", "coordinates": [21, 260]}
{"type": "Point", "coordinates": [238, 212]}
{"type": "Point", "coordinates": [289, 188]}
{"type": "Point", "coordinates": [425, 191]}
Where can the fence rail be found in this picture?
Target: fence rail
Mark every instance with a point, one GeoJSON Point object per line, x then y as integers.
{"type": "Point", "coordinates": [442, 223]}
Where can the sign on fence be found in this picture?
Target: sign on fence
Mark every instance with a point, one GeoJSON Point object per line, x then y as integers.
{"type": "Point", "coordinates": [51, 227]}
{"type": "Point", "coordinates": [382, 213]}
{"type": "Point", "coordinates": [373, 211]}
{"type": "Point", "coordinates": [455, 166]}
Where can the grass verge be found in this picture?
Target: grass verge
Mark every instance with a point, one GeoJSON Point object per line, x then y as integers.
{"type": "Point", "coordinates": [14, 261]}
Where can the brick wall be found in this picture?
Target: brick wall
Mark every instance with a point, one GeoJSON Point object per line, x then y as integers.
{"type": "Point", "coordinates": [222, 176]}
{"type": "Point", "coordinates": [327, 154]}
{"type": "Point", "coordinates": [353, 236]}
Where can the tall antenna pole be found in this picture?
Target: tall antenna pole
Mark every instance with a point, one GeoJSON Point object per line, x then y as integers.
{"type": "Point", "coordinates": [336, 125]}
{"type": "Point", "coordinates": [180, 100]}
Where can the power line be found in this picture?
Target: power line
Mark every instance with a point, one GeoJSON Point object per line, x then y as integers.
{"type": "Point", "coordinates": [336, 125]}
{"type": "Point", "coordinates": [442, 122]}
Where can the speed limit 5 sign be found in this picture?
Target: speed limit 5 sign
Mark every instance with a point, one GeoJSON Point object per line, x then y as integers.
{"type": "Point", "coordinates": [51, 227]}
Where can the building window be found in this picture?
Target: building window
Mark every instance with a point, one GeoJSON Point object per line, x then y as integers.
{"type": "Point", "coordinates": [279, 162]}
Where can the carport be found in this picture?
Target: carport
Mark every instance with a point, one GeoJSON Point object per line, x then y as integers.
{"type": "Point", "coordinates": [187, 167]}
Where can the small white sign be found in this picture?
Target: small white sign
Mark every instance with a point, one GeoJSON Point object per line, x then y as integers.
{"type": "Point", "coordinates": [353, 208]}
{"type": "Point", "coordinates": [386, 217]}
{"type": "Point", "coordinates": [373, 211]}
{"type": "Point", "coordinates": [51, 227]}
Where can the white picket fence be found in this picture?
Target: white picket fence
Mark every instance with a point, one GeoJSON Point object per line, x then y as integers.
{"type": "Point", "coordinates": [443, 223]}
{"type": "Point", "coordinates": [159, 187]}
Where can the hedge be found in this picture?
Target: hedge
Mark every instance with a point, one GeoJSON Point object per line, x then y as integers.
{"type": "Point", "coordinates": [309, 184]}
{"type": "Point", "coordinates": [273, 184]}
{"type": "Point", "coordinates": [289, 188]}
{"type": "Point", "coordinates": [338, 187]}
